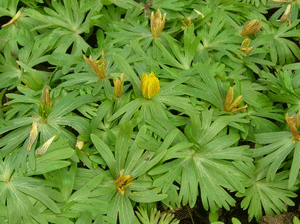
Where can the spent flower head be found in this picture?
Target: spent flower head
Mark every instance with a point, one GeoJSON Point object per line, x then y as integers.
{"type": "Point", "coordinates": [149, 85]}
{"type": "Point", "coordinates": [202, 16]}
{"type": "Point", "coordinates": [294, 125]}
{"type": "Point", "coordinates": [186, 22]}
{"type": "Point", "coordinates": [99, 67]}
{"type": "Point", "coordinates": [123, 182]}
{"type": "Point", "coordinates": [245, 46]}
{"type": "Point", "coordinates": [286, 15]}
{"type": "Point", "coordinates": [157, 23]}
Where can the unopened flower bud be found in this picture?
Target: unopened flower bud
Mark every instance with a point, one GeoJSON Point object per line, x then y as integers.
{"type": "Point", "coordinates": [118, 85]}
{"type": "Point", "coordinates": [149, 85]}
{"type": "Point", "coordinates": [46, 106]}
{"type": "Point", "coordinates": [44, 148]}
{"type": "Point", "coordinates": [33, 135]}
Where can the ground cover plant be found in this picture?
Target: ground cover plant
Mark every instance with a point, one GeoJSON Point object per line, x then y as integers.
{"type": "Point", "coordinates": [111, 107]}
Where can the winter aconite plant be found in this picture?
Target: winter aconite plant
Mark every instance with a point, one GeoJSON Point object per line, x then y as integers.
{"type": "Point", "coordinates": [125, 111]}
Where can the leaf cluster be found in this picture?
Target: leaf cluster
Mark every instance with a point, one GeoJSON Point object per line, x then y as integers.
{"type": "Point", "coordinates": [79, 147]}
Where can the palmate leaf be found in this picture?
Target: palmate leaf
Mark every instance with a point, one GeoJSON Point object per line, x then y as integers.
{"type": "Point", "coordinates": [86, 199]}
{"type": "Point", "coordinates": [284, 86]}
{"type": "Point", "coordinates": [10, 141]}
{"type": "Point", "coordinates": [53, 159]}
{"type": "Point", "coordinates": [206, 82]}
{"type": "Point", "coordinates": [10, 72]}
{"type": "Point", "coordinates": [208, 164]}
{"type": "Point", "coordinates": [19, 191]}
{"type": "Point", "coordinates": [270, 196]}
{"type": "Point", "coordinates": [68, 25]}
{"type": "Point", "coordinates": [178, 56]}
{"type": "Point", "coordinates": [277, 147]}
{"type": "Point", "coordinates": [18, 32]}
{"type": "Point", "coordinates": [218, 40]}
{"type": "Point", "coordinates": [257, 3]}
{"type": "Point", "coordinates": [120, 206]}
{"type": "Point", "coordinates": [20, 127]}
{"type": "Point", "coordinates": [135, 161]}
{"type": "Point", "coordinates": [155, 217]}
{"type": "Point", "coordinates": [282, 50]}
{"type": "Point", "coordinates": [123, 33]}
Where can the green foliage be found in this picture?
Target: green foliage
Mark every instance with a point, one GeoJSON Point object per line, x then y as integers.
{"type": "Point", "coordinates": [260, 193]}
{"type": "Point", "coordinates": [81, 143]}
{"type": "Point", "coordinates": [155, 217]}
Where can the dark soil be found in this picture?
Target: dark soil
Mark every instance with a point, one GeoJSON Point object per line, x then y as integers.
{"type": "Point", "coordinates": [198, 215]}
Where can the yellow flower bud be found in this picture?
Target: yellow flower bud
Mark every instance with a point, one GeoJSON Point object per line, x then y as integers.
{"type": "Point", "coordinates": [157, 23]}
{"type": "Point", "coordinates": [251, 27]}
{"type": "Point", "coordinates": [119, 84]}
{"type": "Point", "coordinates": [149, 85]}
{"type": "Point", "coordinates": [230, 105]}
{"type": "Point", "coordinates": [123, 182]}
{"type": "Point", "coordinates": [33, 135]}
{"type": "Point", "coordinates": [99, 67]}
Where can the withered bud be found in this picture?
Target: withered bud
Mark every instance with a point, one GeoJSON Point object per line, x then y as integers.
{"type": "Point", "coordinates": [99, 67]}
{"type": "Point", "coordinates": [251, 27]}
{"type": "Point", "coordinates": [202, 16]}
{"type": "Point", "coordinates": [286, 15]}
{"type": "Point", "coordinates": [294, 124]}
{"type": "Point", "coordinates": [14, 19]}
{"type": "Point", "coordinates": [245, 46]}
{"type": "Point", "coordinates": [157, 23]}
{"type": "Point", "coordinates": [186, 22]}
